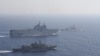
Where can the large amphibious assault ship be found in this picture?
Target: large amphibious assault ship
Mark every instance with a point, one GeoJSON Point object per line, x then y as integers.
{"type": "Point", "coordinates": [37, 31]}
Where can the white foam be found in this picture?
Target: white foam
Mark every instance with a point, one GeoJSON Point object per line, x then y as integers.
{"type": "Point", "coordinates": [5, 51]}
{"type": "Point", "coordinates": [2, 36]}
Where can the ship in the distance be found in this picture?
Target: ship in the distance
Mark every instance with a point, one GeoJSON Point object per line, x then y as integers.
{"type": "Point", "coordinates": [71, 28]}
{"type": "Point", "coordinates": [37, 31]}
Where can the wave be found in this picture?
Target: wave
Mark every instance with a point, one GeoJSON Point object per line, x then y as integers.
{"type": "Point", "coordinates": [1, 36]}
{"type": "Point", "coordinates": [4, 32]}
{"type": "Point", "coordinates": [5, 51]}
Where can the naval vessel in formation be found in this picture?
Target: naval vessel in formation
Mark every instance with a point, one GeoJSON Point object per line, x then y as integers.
{"type": "Point", "coordinates": [35, 47]}
{"type": "Point", "coordinates": [37, 31]}
{"type": "Point", "coordinates": [71, 28]}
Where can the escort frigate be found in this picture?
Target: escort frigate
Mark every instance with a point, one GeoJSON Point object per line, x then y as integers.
{"type": "Point", "coordinates": [37, 31]}
{"type": "Point", "coordinates": [71, 28]}
{"type": "Point", "coordinates": [35, 47]}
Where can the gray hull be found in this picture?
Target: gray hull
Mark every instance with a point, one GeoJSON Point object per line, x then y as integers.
{"type": "Point", "coordinates": [33, 33]}
{"type": "Point", "coordinates": [32, 50]}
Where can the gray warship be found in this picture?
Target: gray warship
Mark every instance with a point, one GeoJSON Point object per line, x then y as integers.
{"type": "Point", "coordinates": [35, 47]}
{"type": "Point", "coordinates": [71, 28]}
{"type": "Point", "coordinates": [38, 31]}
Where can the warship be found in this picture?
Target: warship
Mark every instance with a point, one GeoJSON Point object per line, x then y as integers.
{"type": "Point", "coordinates": [34, 47]}
{"type": "Point", "coordinates": [71, 28]}
{"type": "Point", "coordinates": [37, 31]}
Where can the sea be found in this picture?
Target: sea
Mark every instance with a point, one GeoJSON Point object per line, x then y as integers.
{"type": "Point", "coordinates": [83, 41]}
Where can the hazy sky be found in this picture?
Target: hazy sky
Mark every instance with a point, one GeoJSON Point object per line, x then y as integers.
{"type": "Point", "coordinates": [50, 6]}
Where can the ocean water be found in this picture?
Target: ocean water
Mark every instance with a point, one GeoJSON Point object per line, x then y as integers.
{"type": "Point", "coordinates": [83, 42]}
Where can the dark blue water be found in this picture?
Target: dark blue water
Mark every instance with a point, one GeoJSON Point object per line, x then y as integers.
{"type": "Point", "coordinates": [84, 42]}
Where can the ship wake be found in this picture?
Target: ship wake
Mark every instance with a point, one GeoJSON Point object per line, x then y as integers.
{"type": "Point", "coordinates": [5, 51]}
{"type": "Point", "coordinates": [1, 36]}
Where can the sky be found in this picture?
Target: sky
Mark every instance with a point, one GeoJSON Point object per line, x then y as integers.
{"type": "Point", "coordinates": [50, 7]}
